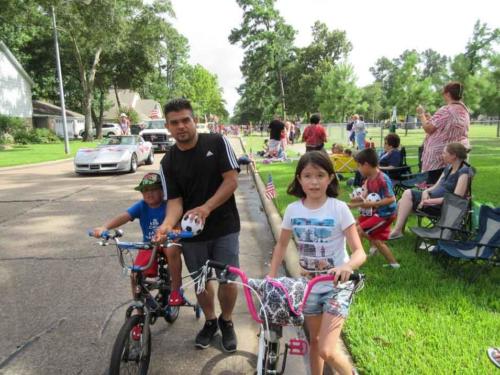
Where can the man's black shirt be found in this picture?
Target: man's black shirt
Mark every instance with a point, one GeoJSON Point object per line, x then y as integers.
{"type": "Point", "coordinates": [195, 175]}
{"type": "Point", "coordinates": [276, 127]}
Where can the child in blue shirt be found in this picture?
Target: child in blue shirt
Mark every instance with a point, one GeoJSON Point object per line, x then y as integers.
{"type": "Point", "coordinates": [150, 211]}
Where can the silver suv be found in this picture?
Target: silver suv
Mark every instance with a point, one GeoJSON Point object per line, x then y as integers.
{"type": "Point", "coordinates": [108, 129]}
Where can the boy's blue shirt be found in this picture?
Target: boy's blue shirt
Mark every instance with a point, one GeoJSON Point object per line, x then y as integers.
{"type": "Point", "coordinates": [149, 218]}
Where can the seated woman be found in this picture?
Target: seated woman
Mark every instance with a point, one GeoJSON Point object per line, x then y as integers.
{"type": "Point", "coordinates": [454, 179]}
{"type": "Point", "coordinates": [391, 158]}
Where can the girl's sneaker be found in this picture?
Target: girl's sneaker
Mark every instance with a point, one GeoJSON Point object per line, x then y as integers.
{"type": "Point", "coordinates": [176, 298]}
{"type": "Point", "coordinates": [391, 265]}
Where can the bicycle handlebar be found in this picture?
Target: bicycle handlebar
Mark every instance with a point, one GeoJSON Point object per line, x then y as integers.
{"type": "Point", "coordinates": [355, 276]}
{"type": "Point", "coordinates": [113, 234]}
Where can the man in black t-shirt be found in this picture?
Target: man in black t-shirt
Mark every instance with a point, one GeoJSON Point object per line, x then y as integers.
{"type": "Point", "coordinates": [200, 173]}
{"type": "Point", "coordinates": [276, 127]}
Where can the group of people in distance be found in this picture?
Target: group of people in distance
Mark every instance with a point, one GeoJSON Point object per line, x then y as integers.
{"type": "Point", "coordinates": [198, 178]}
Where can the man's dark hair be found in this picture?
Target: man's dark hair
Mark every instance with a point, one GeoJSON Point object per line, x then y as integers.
{"type": "Point", "coordinates": [176, 105]}
{"type": "Point", "coordinates": [318, 159]}
{"type": "Point", "coordinates": [368, 155]}
{"type": "Point", "coordinates": [361, 117]}
{"type": "Point", "coordinates": [315, 119]}
{"type": "Point", "coordinates": [393, 140]}
{"type": "Point", "coordinates": [455, 89]}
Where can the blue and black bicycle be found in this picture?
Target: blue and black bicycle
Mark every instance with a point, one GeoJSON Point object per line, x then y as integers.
{"type": "Point", "coordinates": [132, 348]}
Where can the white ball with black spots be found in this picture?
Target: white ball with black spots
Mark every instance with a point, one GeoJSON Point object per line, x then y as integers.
{"type": "Point", "coordinates": [373, 197]}
{"type": "Point", "coordinates": [357, 193]}
{"type": "Point", "coordinates": [194, 226]}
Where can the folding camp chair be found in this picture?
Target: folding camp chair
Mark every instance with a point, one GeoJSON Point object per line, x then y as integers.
{"type": "Point", "coordinates": [343, 163]}
{"type": "Point", "coordinates": [486, 244]}
{"type": "Point", "coordinates": [433, 216]}
{"type": "Point", "coordinates": [453, 217]}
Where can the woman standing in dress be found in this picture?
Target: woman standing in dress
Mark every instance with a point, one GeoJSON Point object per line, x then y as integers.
{"type": "Point", "coordinates": [449, 124]}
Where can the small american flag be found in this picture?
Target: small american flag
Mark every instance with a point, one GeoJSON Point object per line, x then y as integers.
{"type": "Point", "coordinates": [155, 112]}
{"type": "Point", "coordinates": [270, 189]}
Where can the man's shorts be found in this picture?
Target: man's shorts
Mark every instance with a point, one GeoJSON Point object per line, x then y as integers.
{"type": "Point", "coordinates": [376, 227]}
{"type": "Point", "coordinates": [224, 249]}
{"type": "Point", "coordinates": [335, 301]}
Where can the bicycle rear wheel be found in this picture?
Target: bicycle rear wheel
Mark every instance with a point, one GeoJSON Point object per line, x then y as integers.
{"type": "Point", "coordinates": [132, 350]}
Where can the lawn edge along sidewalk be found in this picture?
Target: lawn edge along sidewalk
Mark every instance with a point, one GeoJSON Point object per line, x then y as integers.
{"type": "Point", "coordinates": [42, 163]}
{"type": "Point", "coordinates": [292, 267]}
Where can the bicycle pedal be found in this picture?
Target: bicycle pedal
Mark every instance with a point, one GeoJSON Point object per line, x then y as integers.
{"type": "Point", "coordinates": [298, 347]}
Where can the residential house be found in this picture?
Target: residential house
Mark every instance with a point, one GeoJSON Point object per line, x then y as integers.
{"type": "Point", "coordinates": [15, 87]}
{"type": "Point", "coordinates": [47, 115]}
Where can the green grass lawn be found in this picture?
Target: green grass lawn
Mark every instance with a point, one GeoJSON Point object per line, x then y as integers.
{"type": "Point", "coordinates": [29, 154]}
{"type": "Point", "coordinates": [423, 318]}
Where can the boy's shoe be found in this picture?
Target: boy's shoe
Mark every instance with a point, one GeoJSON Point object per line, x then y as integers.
{"type": "Point", "coordinates": [136, 332]}
{"type": "Point", "coordinates": [373, 250]}
{"type": "Point", "coordinates": [391, 265]}
{"type": "Point", "coordinates": [395, 235]}
{"type": "Point", "coordinates": [208, 331]}
{"type": "Point", "coordinates": [176, 298]}
{"type": "Point", "coordinates": [229, 340]}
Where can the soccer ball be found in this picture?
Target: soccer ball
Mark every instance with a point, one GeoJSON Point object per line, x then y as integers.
{"type": "Point", "coordinates": [191, 225]}
{"type": "Point", "coordinates": [357, 193]}
{"type": "Point", "coordinates": [373, 197]}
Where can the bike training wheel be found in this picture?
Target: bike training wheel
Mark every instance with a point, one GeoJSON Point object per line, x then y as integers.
{"type": "Point", "coordinates": [131, 356]}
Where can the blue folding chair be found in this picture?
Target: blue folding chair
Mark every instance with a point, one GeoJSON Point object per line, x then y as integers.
{"type": "Point", "coordinates": [486, 244]}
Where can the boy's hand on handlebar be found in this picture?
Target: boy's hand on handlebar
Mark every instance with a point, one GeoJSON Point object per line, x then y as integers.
{"type": "Point", "coordinates": [342, 273]}
{"type": "Point", "coordinates": [97, 232]}
{"type": "Point", "coordinates": [161, 233]}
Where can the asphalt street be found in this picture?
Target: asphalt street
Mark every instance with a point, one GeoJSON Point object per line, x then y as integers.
{"type": "Point", "coordinates": [63, 297]}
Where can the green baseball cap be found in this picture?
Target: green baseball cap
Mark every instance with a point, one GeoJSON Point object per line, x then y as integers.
{"type": "Point", "coordinates": [150, 180]}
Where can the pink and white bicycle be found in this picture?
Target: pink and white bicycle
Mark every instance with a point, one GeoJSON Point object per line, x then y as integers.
{"type": "Point", "coordinates": [281, 304]}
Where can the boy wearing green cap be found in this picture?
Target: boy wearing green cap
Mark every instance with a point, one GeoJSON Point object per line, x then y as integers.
{"type": "Point", "coordinates": [150, 211]}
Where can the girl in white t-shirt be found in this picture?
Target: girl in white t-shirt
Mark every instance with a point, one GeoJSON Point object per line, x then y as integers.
{"type": "Point", "coordinates": [321, 225]}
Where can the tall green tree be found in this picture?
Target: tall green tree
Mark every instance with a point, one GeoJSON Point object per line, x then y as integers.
{"type": "Point", "coordinates": [267, 41]}
{"type": "Point", "coordinates": [338, 95]}
{"type": "Point", "coordinates": [328, 47]}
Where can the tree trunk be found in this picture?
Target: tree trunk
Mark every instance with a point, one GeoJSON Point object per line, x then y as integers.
{"type": "Point", "coordinates": [117, 98]}
{"type": "Point", "coordinates": [282, 94]}
{"type": "Point", "coordinates": [87, 111]}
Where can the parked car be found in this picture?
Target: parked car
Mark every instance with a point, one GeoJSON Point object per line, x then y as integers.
{"type": "Point", "coordinates": [123, 153]}
{"type": "Point", "coordinates": [108, 130]}
{"type": "Point", "coordinates": [156, 133]}
{"type": "Point", "coordinates": [202, 128]}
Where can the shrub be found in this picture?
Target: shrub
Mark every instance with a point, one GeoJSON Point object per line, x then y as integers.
{"type": "Point", "coordinates": [30, 136]}
{"type": "Point", "coordinates": [10, 124]}
{"type": "Point", "coordinates": [6, 139]}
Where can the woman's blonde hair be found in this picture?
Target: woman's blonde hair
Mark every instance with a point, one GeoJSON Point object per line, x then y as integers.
{"type": "Point", "coordinates": [457, 149]}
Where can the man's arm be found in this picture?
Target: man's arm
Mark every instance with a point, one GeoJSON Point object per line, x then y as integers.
{"type": "Point", "coordinates": [226, 189]}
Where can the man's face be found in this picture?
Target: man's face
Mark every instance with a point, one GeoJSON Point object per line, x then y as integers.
{"type": "Point", "coordinates": [181, 125]}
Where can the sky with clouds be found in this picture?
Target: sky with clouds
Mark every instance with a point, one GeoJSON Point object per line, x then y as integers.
{"type": "Point", "coordinates": [376, 28]}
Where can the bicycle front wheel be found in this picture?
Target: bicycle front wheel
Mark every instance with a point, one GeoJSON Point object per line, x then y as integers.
{"type": "Point", "coordinates": [132, 350]}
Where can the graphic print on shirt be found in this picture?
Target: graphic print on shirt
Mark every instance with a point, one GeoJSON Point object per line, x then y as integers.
{"type": "Point", "coordinates": [312, 236]}
{"type": "Point", "coordinates": [153, 226]}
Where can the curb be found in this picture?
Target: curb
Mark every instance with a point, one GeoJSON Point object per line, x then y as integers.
{"type": "Point", "coordinates": [35, 164]}
{"type": "Point", "coordinates": [291, 260]}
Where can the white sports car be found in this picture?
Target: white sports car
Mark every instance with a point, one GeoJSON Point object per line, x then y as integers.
{"type": "Point", "coordinates": [116, 154]}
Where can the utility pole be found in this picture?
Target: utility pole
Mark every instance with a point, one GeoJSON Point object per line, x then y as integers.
{"type": "Point", "coordinates": [61, 88]}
